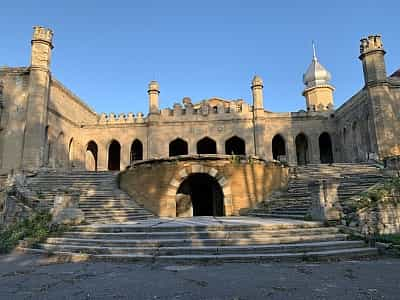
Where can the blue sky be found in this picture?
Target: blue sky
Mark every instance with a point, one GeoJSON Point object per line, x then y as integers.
{"type": "Point", "coordinates": [106, 52]}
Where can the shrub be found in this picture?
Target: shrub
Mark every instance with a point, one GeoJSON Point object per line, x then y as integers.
{"type": "Point", "coordinates": [36, 229]}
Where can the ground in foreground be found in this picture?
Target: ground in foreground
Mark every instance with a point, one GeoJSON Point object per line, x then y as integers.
{"type": "Point", "coordinates": [35, 277]}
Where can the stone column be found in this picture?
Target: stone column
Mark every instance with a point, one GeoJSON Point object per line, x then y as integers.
{"type": "Point", "coordinates": [291, 151]}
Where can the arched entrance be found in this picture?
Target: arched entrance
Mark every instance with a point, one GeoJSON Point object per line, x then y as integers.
{"type": "Point", "coordinates": [325, 148]}
{"type": "Point", "coordinates": [278, 147]}
{"type": "Point", "coordinates": [178, 147]}
{"type": "Point", "coordinates": [235, 146]}
{"type": "Point", "coordinates": [136, 150]}
{"type": "Point", "coordinates": [206, 146]}
{"type": "Point", "coordinates": [204, 195]}
{"type": "Point", "coordinates": [114, 156]}
{"type": "Point", "coordinates": [301, 149]}
{"type": "Point", "coordinates": [91, 156]}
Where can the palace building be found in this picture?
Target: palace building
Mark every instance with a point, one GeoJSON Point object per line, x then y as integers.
{"type": "Point", "coordinates": [44, 124]}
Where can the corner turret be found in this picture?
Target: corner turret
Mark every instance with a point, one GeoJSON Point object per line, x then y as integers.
{"type": "Point", "coordinates": [372, 57]}
{"type": "Point", "coordinates": [257, 89]}
{"type": "Point", "coordinates": [42, 44]}
{"type": "Point", "coordinates": [154, 92]}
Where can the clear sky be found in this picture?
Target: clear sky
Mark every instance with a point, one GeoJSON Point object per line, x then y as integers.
{"type": "Point", "coordinates": [106, 52]}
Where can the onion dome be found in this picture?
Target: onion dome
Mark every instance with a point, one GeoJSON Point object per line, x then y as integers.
{"type": "Point", "coordinates": [316, 74]}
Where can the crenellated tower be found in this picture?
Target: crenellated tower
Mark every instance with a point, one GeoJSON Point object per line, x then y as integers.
{"type": "Point", "coordinates": [38, 97]}
{"type": "Point", "coordinates": [372, 57]}
{"type": "Point", "coordinates": [318, 90]}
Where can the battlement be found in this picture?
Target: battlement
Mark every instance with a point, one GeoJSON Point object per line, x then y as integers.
{"type": "Point", "coordinates": [43, 34]}
{"type": "Point", "coordinates": [122, 118]}
{"type": "Point", "coordinates": [184, 112]}
{"type": "Point", "coordinates": [207, 109]}
{"type": "Point", "coordinates": [372, 43]}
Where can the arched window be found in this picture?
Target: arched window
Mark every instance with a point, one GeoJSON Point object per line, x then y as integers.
{"type": "Point", "coordinates": [278, 147]}
{"type": "Point", "coordinates": [325, 148]}
{"type": "Point", "coordinates": [206, 146]}
{"type": "Point", "coordinates": [114, 156]}
{"type": "Point", "coordinates": [91, 156]}
{"type": "Point", "coordinates": [301, 149]}
{"type": "Point", "coordinates": [235, 146]}
{"type": "Point", "coordinates": [178, 147]}
{"type": "Point", "coordinates": [136, 150]}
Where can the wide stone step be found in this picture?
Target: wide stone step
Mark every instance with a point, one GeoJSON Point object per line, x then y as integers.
{"type": "Point", "coordinates": [200, 234]}
{"type": "Point", "coordinates": [194, 242]}
{"type": "Point", "coordinates": [252, 257]}
{"type": "Point", "coordinates": [276, 215]}
{"type": "Point", "coordinates": [210, 250]}
{"type": "Point", "coordinates": [212, 227]}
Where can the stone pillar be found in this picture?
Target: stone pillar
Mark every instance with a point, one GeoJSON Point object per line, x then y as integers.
{"type": "Point", "coordinates": [325, 201]}
{"type": "Point", "coordinates": [258, 116]}
{"type": "Point", "coordinates": [291, 151]}
{"type": "Point", "coordinates": [154, 92]}
{"type": "Point", "coordinates": [102, 157]}
{"type": "Point", "coordinates": [125, 156]}
{"type": "Point", "coordinates": [39, 85]}
{"type": "Point", "coordinates": [313, 149]}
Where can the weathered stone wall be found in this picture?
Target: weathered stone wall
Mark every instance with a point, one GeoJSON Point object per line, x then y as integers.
{"type": "Point", "coordinates": [13, 116]}
{"type": "Point", "coordinates": [384, 219]}
{"type": "Point", "coordinates": [355, 129]}
{"type": "Point", "coordinates": [244, 184]}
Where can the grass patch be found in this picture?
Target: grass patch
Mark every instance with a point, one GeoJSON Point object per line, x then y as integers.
{"type": "Point", "coordinates": [389, 238]}
{"type": "Point", "coordinates": [34, 229]}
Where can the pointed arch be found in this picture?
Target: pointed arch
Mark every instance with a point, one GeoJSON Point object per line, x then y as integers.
{"type": "Point", "coordinates": [114, 156]}
{"type": "Point", "coordinates": [178, 147]}
{"type": "Point", "coordinates": [235, 146]}
{"type": "Point", "coordinates": [325, 148]}
{"type": "Point", "coordinates": [91, 155]}
{"type": "Point", "coordinates": [136, 150]}
{"type": "Point", "coordinates": [278, 147]}
{"type": "Point", "coordinates": [206, 146]}
{"type": "Point", "coordinates": [301, 142]}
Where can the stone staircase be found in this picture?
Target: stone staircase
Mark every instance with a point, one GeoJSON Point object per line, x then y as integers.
{"type": "Point", "coordinates": [296, 201]}
{"type": "Point", "coordinates": [100, 198]}
{"type": "Point", "coordinates": [205, 239]}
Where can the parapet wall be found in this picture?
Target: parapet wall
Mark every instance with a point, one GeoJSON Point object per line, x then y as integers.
{"type": "Point", "coordinates": [245, 182]}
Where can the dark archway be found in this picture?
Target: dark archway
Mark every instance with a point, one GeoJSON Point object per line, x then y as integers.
{"type": "Point", "coordinates": [325, 148]}
{"type": "Point", "coordinates": [136, 150]}
{"type": "Point", "coordinates": [206, 146]}
{"type": "Point", "coordinates": [301, 149]}
{"type": "Point", "coordinates": [178, 147]}
{"type": "Point", "coordinates": [205, 193]}
{"type": "Point", "coordinates": [278, 147]}
{"type": "Point", "coordinates": [235, 146]}
{"type": "Point", "coordinates": [91, 156]}
{"type": "Point", "coordinates": [114, 156]}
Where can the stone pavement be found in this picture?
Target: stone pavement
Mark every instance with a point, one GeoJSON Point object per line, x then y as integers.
{"type": "Point", "coordinates": [35, 277]}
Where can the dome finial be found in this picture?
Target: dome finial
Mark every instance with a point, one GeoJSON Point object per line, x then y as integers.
{"type": "Point", "coordinates": [314, 51]}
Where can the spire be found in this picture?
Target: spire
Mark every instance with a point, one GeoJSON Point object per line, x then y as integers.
{"type": "Point", "coordinates": [314, 52]}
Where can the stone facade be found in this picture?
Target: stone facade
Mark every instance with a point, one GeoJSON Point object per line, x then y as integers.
{"type": "Point", "coordinates": [43, 124]}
